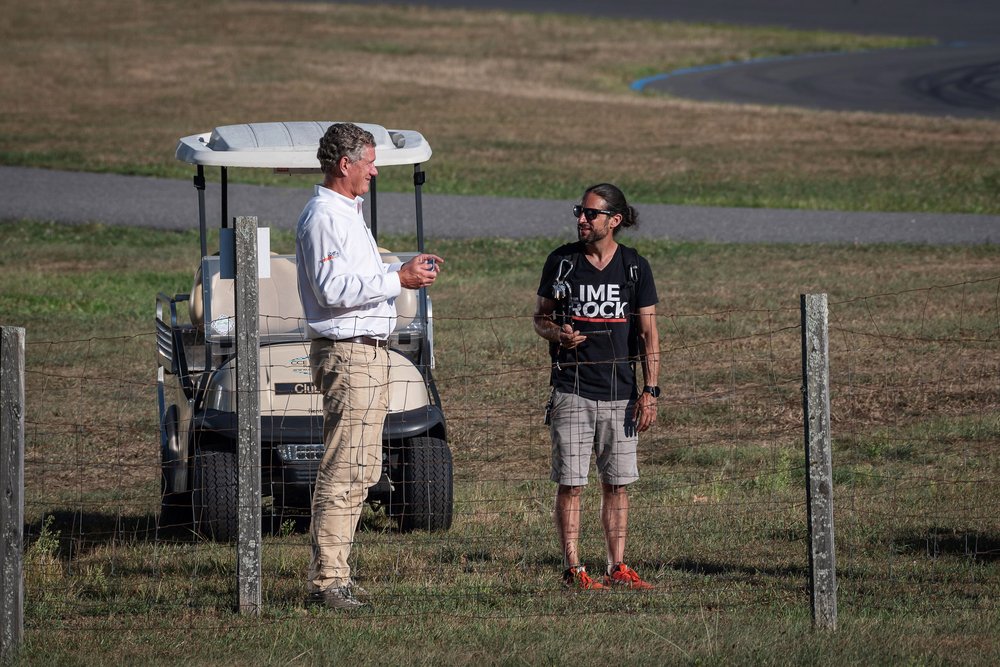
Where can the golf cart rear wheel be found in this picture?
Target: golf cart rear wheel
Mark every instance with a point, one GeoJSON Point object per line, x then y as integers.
{"type": "Point", "coordinates": [427, 486]}
{"type": "Point", "coordinates": [215, 494]}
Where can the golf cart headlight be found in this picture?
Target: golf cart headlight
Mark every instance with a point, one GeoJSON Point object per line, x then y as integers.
{"type": "Point", "coordinates": [300, 452]}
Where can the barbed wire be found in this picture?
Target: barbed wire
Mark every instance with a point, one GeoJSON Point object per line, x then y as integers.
{"type": "Point", "coordinates": [721, 488]}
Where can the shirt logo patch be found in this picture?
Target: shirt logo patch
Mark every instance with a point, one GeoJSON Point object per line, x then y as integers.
{"type": "Point", "coordinates": [599, 303]}
{"type": "Point", "coordinates": [329, 257]}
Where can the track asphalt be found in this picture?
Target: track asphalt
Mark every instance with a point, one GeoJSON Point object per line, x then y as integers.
{"type": "Point", "coordinates": [959, 77]}
{"type": "Point", "coordinates": [166, 204]}
{"type": "Point", "coordinates": [73, 197]}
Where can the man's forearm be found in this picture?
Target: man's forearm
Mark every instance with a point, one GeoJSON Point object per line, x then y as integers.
{"type": "Point", "coordinates": [651, 369]}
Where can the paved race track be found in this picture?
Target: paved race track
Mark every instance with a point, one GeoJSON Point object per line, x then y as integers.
{"type": "Point", "coordinates": [943, 19]}
{"type": "Point", "coordinates": [960, 77]}
{"type": "Point", "coordinates": [962, 80]}
{"type": "Point", "coordinates": [166, 204]}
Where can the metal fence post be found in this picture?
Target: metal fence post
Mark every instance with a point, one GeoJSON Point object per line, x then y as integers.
{"type": "Point", "coordinates": [248, 544]}
{"type": "Point", "coordinates": [819, 460]}
{"type": "Point", "coordinates": [11, 491]}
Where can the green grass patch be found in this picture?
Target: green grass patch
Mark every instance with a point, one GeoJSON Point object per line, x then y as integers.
{"type": "Point", "coordinates": [718, 518]}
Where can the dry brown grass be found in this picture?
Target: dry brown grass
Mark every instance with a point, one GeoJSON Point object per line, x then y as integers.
{"type": "Point", "coordinates": [717, 520]}
{"type": "Point", "coordinates": [915, 357]}
{"type": "Point", "coordinates": [512, 103]}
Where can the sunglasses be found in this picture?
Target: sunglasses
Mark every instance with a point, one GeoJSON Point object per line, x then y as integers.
{"type": "Point", "coordinates": [589, 213]}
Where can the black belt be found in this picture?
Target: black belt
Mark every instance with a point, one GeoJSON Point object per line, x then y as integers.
{"type": "Point", "coordinates": [365, 340]}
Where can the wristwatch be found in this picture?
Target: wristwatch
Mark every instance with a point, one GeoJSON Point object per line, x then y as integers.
{"type": "Point", "coordinates": [652, 389]}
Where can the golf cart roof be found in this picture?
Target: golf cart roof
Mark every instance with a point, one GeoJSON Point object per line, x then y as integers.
{"type": "Point", "coordinates": [291, 146]}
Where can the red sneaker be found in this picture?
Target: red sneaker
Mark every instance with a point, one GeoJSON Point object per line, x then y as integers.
{"type": "Point", "coordinates": [622, 576]}
{"type": "Point", "coordinates": [577, 577]}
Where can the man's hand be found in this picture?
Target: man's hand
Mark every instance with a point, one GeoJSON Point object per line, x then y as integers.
{"type": "Point", "coordinates": [645, 411]}
{"type": "Point", "coordinates": [545, 326]}
{"type": "Point", "coordinates": [421, 271]}
{"type": "Point", "coordinates": [570, 338]}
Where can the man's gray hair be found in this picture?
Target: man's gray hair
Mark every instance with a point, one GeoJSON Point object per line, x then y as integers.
{"type": "Point", "coordinates": [342, 139]}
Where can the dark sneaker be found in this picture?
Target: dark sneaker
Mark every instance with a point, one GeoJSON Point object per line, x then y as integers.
{"type": "Point", "coordinates": [335, 597]}
{"type": "Point", "coordinates": [577, 577]}
{"type": "Point", "coordinates": [622, 576]}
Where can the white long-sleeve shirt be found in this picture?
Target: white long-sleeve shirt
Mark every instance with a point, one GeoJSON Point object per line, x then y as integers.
{"type": "Point", "coordinates": [345, 288]}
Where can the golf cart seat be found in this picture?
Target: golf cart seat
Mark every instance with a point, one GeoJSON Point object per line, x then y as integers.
{"type": "Point", "coordinates": [281, 314]}
{"type": "Point", "coordinates": [280, 310]}
{"type": "Point", "coordinates": [406, 302]}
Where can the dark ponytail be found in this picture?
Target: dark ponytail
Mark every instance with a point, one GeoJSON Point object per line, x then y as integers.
{"type": "Point", "coordinates": [614, 199]}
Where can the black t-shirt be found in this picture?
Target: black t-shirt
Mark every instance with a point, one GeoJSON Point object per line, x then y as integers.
{"type": "Point", "coordinates": [599, 307]}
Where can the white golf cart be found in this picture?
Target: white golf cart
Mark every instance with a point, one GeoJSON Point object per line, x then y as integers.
{"type": "Point", "coordinates": [197, 378]}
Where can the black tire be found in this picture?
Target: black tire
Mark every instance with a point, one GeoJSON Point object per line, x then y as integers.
{"type": "Point", "coordinates": [215, 494]}
{"type": "Point", "coordinates": [175, 511]}
{"type": "Point", "coordinates": [428, 492]}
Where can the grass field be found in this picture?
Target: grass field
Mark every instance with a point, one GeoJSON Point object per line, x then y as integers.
{"type": "Point", "coordinates": [534, 106]}
{"type": "Point", "coordinates": [718, 517]}
{"type": "Point", "coordinates": [513, 104]}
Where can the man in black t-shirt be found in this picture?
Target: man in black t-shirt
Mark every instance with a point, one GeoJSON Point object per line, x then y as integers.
{"type": "Point", "coordinates": [597, 308]}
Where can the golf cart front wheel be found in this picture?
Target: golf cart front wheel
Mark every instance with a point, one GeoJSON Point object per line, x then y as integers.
{"type": "Point", "coordinates": [427, 487]}
{"type": "Point", "coordinates": [215, 495]}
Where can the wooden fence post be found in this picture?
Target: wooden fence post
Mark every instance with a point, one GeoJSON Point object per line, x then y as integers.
{"type": "Point", "coordinates": [819, 461]}
{"type": "Point", "coordinates": [11, 492]}
{"type": "Point", "coordinates": [248, 545]}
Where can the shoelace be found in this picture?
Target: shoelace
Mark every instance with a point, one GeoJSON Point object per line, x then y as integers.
{"type": "Point", "coordinates": [585, 578]}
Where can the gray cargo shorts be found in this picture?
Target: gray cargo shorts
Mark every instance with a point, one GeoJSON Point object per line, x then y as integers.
{"type": "Point", "coordinates": [580, 426]}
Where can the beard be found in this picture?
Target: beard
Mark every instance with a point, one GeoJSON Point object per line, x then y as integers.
{"type": "Point", "coordinates": [591, 234]}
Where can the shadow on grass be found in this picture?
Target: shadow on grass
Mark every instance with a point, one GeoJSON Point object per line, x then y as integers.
{"type": "Point", "coordinates": [716, 568]}
{"type": "Point", "coordinates": [688, 565]}
{"type": "Point", "coordinates": [80, 532]}
{"type": "Point", "coordinates": [948, 542]}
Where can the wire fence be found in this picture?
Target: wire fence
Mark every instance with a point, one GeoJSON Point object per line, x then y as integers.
{"type": "Point", "coordinates": [718, 517]}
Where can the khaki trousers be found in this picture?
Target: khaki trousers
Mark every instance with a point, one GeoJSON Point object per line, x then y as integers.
{"type": "Point", "coordinates": [354, 381]}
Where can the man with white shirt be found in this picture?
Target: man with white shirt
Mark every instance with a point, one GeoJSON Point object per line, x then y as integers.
{"type": "Point", "coordinates": [348, 296]}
